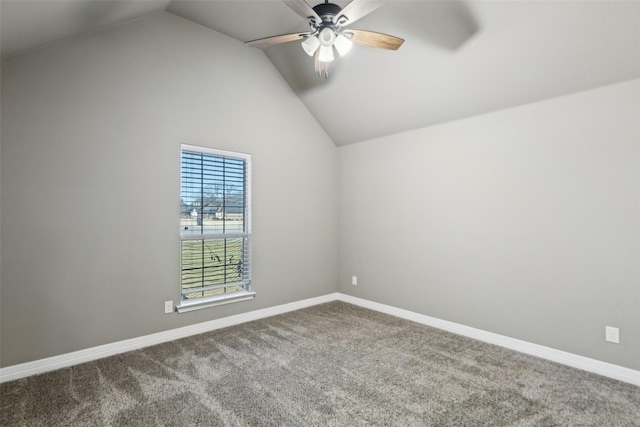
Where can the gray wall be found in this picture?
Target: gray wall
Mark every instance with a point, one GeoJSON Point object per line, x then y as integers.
{"type": "Point", "coordinates": [524, 222]}
{"type": "Point", "coordinates": [91, 134]}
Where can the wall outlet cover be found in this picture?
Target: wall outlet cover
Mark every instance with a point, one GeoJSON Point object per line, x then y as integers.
{"type": "Point", "coordinates": [168, 307]}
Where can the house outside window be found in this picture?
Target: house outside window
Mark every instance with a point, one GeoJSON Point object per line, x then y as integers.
{"type": "Point", "coordinates": [215, 227]}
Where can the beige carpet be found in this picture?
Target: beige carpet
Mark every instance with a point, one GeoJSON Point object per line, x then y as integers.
{"type": "Point", "coordinates": [332, 364]}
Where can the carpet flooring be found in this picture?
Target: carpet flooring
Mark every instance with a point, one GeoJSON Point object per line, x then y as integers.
{"type": "Point", "coordinates": [333, 364]}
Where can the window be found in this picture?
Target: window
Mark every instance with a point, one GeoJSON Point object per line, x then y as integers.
{"type": "Point", "coordinates": [215, 228]}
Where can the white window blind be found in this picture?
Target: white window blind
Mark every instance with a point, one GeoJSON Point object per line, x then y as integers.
{"type": "Point", "coordinates": [215, 227]}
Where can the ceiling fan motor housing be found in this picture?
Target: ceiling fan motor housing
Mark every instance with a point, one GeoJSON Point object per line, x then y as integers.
{"type": "Point", "coordinates": [326, 12]}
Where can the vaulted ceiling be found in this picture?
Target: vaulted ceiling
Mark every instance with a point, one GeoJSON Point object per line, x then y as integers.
{"type": "Point", "coordinates": [460, 58]}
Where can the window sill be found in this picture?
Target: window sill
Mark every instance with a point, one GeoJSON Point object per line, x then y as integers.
{"type": "Point", "coordinates": [200, 303]}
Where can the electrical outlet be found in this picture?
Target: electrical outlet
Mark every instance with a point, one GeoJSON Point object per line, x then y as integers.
{"type": "Point", "coordinates": [354, 280]}
{"type": "Point", "coordinates": [168, 307]}
{"type": "Point", "coordinates": [612, 334]}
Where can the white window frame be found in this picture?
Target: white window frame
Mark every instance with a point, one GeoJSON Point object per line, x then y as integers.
{"type": "Point", "coordinates": [246, 293]}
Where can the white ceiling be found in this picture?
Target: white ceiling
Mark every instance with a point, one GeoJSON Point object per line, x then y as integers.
{"type": "Point", "coordinates": [460, 58]}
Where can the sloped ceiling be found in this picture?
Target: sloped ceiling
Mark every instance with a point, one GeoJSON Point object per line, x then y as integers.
{"type": "Point", "coordinates": [460, 58]}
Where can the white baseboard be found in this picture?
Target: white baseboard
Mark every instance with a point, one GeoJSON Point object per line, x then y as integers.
{"type": "Point", "coordinates": [586, 364]}
{"type": "Point", "coordinates": [74, 358]}
{"type": "Point", "coordinates": [56, 362]}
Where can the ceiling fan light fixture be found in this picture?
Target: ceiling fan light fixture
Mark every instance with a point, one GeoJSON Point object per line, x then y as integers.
{"type": "Point", "coordinates": [327, 36]}
{"type": "Point", "coordinates": [326, 54]}
{"type": "Point", "coordinates": [342, 44]}
{"type": "Point", "coordinates": [310, 44]}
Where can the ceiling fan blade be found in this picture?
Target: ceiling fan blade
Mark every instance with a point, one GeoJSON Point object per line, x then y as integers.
{"type": "Point", "coordinates": [356, 10]}
{"type": "Point", "coordinates": [373, 39]}
{"type": "Point", "coordinates": [284, 38]}
{"type": "Point", "coordinates": [303, 9]}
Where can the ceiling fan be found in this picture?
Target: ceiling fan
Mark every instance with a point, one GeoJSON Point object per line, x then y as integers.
{"type": "Point", "coordinates": [327, 21]}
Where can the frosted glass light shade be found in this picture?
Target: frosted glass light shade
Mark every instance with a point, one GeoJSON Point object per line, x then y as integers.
{"type": "Point", "coordinates": [326, 54]}
{"type": "Point", "coordinates": [343, 45]}
{"type": "Point", "coordinates": [310, 44]}
{"type": "Point", "coordinates": [327, 36]}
